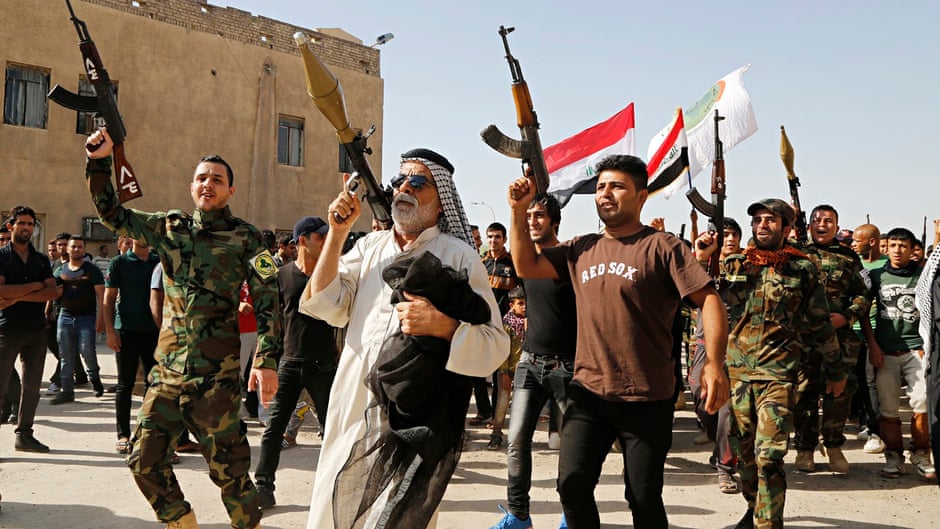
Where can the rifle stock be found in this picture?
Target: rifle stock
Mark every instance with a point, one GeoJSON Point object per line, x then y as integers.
{"type": "Point", "coordinates": [103, 104]}
{"type": "Point", "coordinates": [529, 148]}
{"type": "Point", "coordinates": [327, 94]}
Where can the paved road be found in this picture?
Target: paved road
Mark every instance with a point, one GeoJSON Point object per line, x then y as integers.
{"type": "Point", "coordinates": [83, 484]}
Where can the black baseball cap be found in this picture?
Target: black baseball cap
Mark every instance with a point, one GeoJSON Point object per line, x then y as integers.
{"type": "Point", "coordinates": [310, 225]}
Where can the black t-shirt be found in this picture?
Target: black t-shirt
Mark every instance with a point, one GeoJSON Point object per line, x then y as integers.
{"type": "Point", "coordinates": [552, 320]}
{"type": "Point", "coordinates": [305, 338]}
{"type": "Point", "coordinates": [25, 315]}
{"type": "Point", "coordinates": [502, 276]}
{"type": "Point", "coordinates": [78, 289]}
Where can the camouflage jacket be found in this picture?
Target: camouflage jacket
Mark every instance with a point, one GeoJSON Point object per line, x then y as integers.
{"type": "Point", "coordinates": [840, 270]}
{"type": "Point", "coordinates": [773, 312]}
{"type": "Point", "coordinates": [206, 257]}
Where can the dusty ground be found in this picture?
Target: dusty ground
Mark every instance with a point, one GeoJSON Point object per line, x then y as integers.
{"type": "Point", "coordinates": [83, 484]}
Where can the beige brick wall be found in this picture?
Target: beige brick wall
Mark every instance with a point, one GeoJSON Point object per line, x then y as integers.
{"type": "Point", "coordinates": [188, 86]}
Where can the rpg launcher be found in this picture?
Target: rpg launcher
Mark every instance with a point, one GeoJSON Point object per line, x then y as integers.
{"type": "Point", "coordinates": [529, 148]}
{"type": "Point", "coordinates": [327, 94]}
{"type": "Point", "coordinates": [786, 155]}
{"type": "Point", "coordinates": [103, 105]}
{"type": "Point", "coordinates": [714, 210]}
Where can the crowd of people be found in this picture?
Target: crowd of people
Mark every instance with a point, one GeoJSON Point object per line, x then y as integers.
{"type": "Point", "coordinates": [392, 335]}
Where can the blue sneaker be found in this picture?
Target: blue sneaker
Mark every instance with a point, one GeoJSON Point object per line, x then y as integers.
{"type": "Point", "coordinates": [511, 522]}
{"type": "Point", "coordinates": [564, 523]}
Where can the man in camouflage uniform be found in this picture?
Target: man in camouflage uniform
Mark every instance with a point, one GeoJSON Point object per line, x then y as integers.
{"type": "Point", "coordinates": [840, 271]}
{"type": "Point", "coordinates": [196, 382]}
{"type": "Point", "coordinates": [777, 304]}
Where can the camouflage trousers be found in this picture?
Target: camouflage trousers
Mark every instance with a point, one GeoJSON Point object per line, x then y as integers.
{"type": "Point", "coordinates": [810, 387]}
{"type": "Point", "coordinates": [760, 427]}
{"type": "Point", "coordinates": [209, 410]}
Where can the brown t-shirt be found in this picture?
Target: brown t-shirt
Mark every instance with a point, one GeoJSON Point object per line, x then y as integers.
{"type": "Point", "coordinates": [628, 291]}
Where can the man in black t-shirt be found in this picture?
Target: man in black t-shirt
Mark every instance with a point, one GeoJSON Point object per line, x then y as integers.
{"type": "Point", "coordinates": [547, 362]}
{"type": "Point", "coordinates": [309, 358]}
{"type": "Point", "coordinates": [80, 318]}
{"type": "Point", "coordinates": [26, 283]}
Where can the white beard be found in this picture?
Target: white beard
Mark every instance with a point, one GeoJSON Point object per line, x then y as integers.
{"type": "Point", "coordinates": [416, 219]}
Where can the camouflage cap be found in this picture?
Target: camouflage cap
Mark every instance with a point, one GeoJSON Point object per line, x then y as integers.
{"type": "Point", "coordinates": [775, 206]}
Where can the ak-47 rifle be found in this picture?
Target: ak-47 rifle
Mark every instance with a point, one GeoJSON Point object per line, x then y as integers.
{"type": "Point", "coordinates": [786, 154]}
{"type": "Point", "coordinates": [103, 104]}
{"type": "Point", "coordinates": [714, 210]}
{"type": "Point", "coordinates": [327, 94]}
{"type": "Point", "coordinates": [529, 149]}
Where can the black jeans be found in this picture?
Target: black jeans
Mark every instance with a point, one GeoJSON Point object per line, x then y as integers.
{"type": "Point", "coordinates": [136, 348]}
{"type": "Point", "coordinates": [482, 396]}
{"type": "Point", "coordinates": [591, 425]}
{"type": "Point", "coordinates": [536, 380]}
{"type": "Point", "coordinates": [292, 377]}
{"type": "Point", "coordinates": [31, 348]}
{"type": "Point", "coordinates": [933, 400]}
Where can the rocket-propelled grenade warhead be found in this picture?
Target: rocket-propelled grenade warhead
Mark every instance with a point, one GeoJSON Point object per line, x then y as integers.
{"type": "Point", "coordinates": [325, 90]}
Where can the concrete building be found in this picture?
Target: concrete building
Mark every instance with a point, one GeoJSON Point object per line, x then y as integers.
{"type": "Point", "coordinates": [192, 79]}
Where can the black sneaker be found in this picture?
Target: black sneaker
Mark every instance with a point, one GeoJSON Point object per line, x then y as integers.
{"type": "Point", "coordinates": [27, 443]}
{"type": "Point", "coordinates": [747, 522]}
{"type": "Point", "coordinates": [265, 495]}
{"type": "Point", "coordinates": [63, 396]}
{"type": "Point", "coordinates": [496, 442]}
{"type": "Point", "coordinates": [98, 386]}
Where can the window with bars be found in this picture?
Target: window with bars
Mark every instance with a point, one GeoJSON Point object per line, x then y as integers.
{"type": "Point", "coordinates": [24, 96]}
{"type": "Point", "coordinates": [290, 141]}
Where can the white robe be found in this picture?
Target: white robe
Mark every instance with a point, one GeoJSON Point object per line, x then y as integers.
{"type": "Point", "coordinates": [360, 297]}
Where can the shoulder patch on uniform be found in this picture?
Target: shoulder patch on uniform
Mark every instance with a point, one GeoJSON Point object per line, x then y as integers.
{"type": "Point", "coordinates": [263, 264]}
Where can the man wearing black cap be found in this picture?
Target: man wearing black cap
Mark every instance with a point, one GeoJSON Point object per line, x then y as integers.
{"type": "Point", "coordinates": [777, 307]}
{"type": "Point", "coordinates": [309, 357]}
{"type": "Point", "coordinates": [428, 217]}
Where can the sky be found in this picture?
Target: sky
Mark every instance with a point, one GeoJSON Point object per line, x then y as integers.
{"type": "Point", "coordinates": [855, 83]}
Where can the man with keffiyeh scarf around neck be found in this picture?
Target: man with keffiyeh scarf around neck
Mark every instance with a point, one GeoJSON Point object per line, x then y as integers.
{"type": "Point", "coordinates": [428, 217]}
{"type": "Point", "coordinates": [777, 306]}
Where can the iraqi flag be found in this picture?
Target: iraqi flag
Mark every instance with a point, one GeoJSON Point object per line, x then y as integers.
{"type": "Point", "coordinates": [668, 155]}
{"type": "Point", "coordinates": [571, 162]}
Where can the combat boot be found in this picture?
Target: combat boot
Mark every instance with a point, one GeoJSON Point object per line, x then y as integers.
{"type": "Point", "coordinates": [187, 521]}
{"type": "Point", "coordinates": [837, 461]}
{"type": "Point", "coordinates": [804, 461]}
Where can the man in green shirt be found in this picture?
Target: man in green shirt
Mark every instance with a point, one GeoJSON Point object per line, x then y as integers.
{"type": "Point", "coordinates": [896, 351]}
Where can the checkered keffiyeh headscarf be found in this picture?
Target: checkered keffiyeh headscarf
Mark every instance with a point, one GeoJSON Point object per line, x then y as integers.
{"type": "Point", "coordinates": [454, 220]}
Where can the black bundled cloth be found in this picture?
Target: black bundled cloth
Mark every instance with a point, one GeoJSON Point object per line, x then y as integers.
{"type": "Point", "coordinates": [397, 473]}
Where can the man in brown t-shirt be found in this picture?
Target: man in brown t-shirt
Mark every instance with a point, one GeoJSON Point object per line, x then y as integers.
{"type": "Point", "coordinates": [628, 284]}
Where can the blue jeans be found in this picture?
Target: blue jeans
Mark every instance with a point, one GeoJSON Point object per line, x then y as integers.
{"type": "Point", "coordinates": [76, 335]}
{"type": "Point", "coordinates": [537, 378]}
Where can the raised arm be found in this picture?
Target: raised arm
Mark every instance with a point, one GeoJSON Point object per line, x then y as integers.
{"type": "Point", "coordinates": [528, 262]}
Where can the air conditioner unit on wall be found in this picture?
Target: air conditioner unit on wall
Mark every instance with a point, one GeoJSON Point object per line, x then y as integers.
{"type": "Point", "coordinates": [94, 230]}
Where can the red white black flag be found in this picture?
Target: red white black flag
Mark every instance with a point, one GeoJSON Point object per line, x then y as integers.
{"type": "Point", "coordinates": [668, 155]}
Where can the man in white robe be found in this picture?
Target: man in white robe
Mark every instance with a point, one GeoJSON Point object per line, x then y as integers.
{"type": "Point", "coordinates": [428, 217]}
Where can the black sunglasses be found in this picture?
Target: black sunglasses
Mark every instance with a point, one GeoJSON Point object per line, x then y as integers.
{"type": "Point", "coordinates": [417, 181]}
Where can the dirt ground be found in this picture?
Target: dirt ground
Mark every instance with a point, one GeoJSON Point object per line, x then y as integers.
{"type": "Point", "coordinates": [83, 483]}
